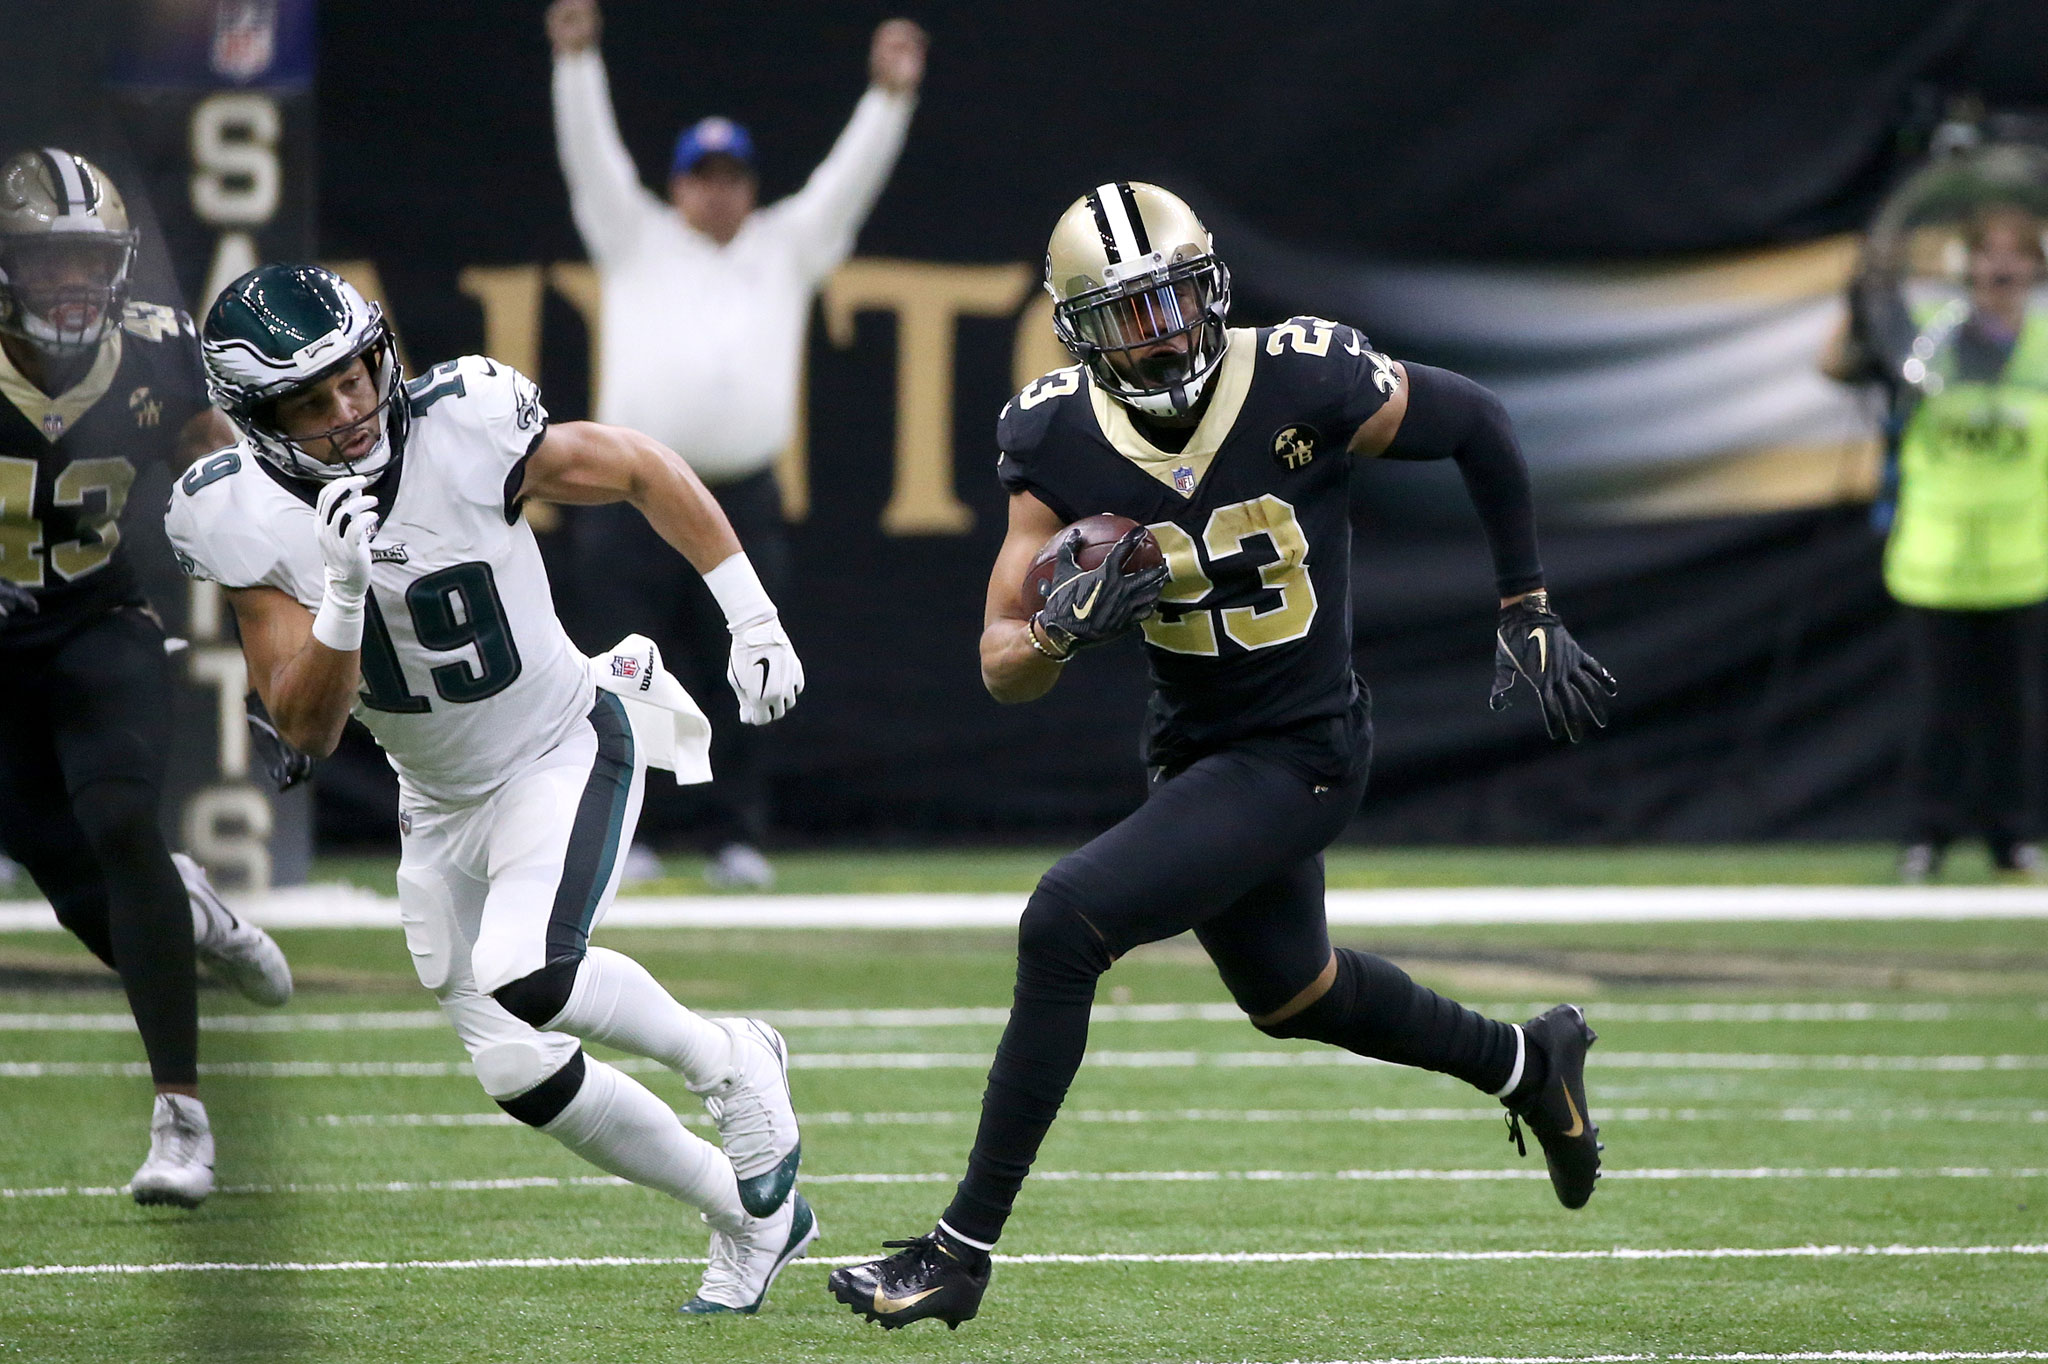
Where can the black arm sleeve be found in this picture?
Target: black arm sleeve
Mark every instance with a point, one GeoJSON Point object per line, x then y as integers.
{"type": "Point", "coordinates": [1450, 417]}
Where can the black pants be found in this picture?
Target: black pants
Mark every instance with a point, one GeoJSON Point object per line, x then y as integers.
{"type": "Point", "coordinates": [1232, 849]}
{"type": "Point", "coordinates": [635, 582]}
{"type": "Point", "coordinates": [84, 730]}
{"type": "Point", "coordinates": [1970, 763]}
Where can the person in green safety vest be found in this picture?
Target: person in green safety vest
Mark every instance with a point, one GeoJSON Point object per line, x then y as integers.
{"type": "Point", "coordinates": [1968, 553]}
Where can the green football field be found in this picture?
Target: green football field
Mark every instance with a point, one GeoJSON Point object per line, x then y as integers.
{"type": "Point", "coordinates": [1821, 1137]}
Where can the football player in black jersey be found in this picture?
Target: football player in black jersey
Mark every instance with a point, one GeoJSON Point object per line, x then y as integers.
{"type": "Point", "coordinates": [92, 385]}
{"type": "Point", "coordinates": [1233, 447]}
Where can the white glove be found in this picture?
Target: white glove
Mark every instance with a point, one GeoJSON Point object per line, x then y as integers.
{"type": "Point", "coordinates": [346, 518]}
{"type": "Point", "coordinates": [765, 672]}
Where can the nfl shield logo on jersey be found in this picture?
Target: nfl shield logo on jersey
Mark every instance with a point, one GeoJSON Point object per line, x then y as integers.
{"type": "Point", "coordinates": [625, 665]}
{"type": "Point", "coordinates": [53, 425]}
{"type": "Point", "coordinates": [1184, 480]}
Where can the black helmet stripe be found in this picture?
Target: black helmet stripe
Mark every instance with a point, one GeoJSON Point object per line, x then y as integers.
{"type": "Point", "coordinates": [73, 194]}
{"type": "Point", "coordinates": [1102, 225]}
{"type": "Point", "coordinates": [1130, 202]}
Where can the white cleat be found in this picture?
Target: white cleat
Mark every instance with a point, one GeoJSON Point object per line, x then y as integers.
{"type": "Point", "coordinates": [237, 953]}
{"type": "Point", "coordinates": [739, 866]}
{"type": "Point", "coordinates": [755, 1115]}
{"type": "Point", "coordinates": [744, 1264]}
{"type": "Point", "coordinates": [179, 1170]}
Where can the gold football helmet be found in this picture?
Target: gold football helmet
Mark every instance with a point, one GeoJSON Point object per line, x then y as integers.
{"type": "Point", "coordinates": [65, 250]}
{"type": "Point", "coordinates": [1139, 296]}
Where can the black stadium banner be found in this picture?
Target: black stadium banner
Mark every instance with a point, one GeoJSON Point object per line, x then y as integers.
{"type": "Point", "coordinates": [1634, 222]}
{"type": "Point", "coordinates": [215, 101]}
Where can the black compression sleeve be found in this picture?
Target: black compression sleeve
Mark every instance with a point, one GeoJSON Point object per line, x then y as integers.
{"type": "Point", "coordinates": [1450, 417]}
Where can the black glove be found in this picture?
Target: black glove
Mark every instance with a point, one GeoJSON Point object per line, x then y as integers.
{"type": "Point", "coordinates": [1094, 605]}
{"type": "Point", "coordinates": [286, 766]}
{"type": "Point", "coordinates": [1570, 685]}
{"type": "Point", "coordinates": [14, 598]}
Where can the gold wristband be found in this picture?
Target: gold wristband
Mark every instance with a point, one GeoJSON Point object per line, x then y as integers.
{"type": "Point", "coordinates": [1031, 632]}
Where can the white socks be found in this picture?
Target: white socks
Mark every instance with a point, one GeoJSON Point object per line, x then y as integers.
{"type": "Point", "coordinates": [617, 1124]}
{"type": "Point", "coordinates": [616, 1002]}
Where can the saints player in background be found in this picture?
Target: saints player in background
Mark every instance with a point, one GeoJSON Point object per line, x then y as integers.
{"type": "Point", "coordinates": [369, 536]}
{"type": "Point", "coordinates": [1233, 445]}
{"type": "Point", "coordinates": [94, 385]}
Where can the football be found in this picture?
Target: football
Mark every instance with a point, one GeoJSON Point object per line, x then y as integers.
{"type": "Point", "coordinates": [1098, 533]}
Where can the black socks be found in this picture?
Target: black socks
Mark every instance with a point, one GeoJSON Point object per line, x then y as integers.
{"type": "Point", "coordinates": [1374, 1009]}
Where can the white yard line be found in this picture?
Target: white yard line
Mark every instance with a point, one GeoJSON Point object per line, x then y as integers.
{"type": "Point", "coordinates": [1396, 1176]}
{"type": "Point", "coordinates": [1240, 1257]}
{"type": "Point", "coordinates": [1127, 1060]}
{"type": "Point", "coordinates": [428, 1020]}
{"type": "Point", "coordinates": [332, 906]}
{"type": "Point", "coordinates": [1288, 1116]}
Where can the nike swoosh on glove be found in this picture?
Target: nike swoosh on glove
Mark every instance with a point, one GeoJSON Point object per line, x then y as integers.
{"type": "Point", "coordinates": [1094, 605]}
{"type": "Point", "coordinates": [1571, 687]}
{"type": "Point", "coordinates": [764, 670]}
{"type": "Point", "coordinates": [16, 600]}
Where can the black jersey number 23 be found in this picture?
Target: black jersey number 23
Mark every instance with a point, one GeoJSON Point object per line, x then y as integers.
{"type": "Point", "coordinates": [1228, 535]}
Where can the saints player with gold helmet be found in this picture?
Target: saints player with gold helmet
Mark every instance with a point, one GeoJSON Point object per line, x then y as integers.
{"type": "Point", "coordinates": [94, 384]}
{"type": "Point", "coordinates": [1231, 448]}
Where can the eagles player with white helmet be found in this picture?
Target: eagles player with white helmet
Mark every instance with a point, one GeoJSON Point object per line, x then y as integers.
{"type": "Point", "coordinates": [368, 532]}
{"type": "Point", "coordinates": [94, 385]}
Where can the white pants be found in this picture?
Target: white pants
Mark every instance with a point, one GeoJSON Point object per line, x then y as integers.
{"type": "Point", "coordinates": [496, 889]}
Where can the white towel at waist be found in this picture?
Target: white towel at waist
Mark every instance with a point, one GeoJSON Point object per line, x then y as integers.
{"type": "Point", "coordinates": [666, 723]}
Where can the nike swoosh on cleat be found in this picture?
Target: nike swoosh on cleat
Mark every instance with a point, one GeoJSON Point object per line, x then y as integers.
{"type": "Point", "coordinates": [1578, 1123]}
{"type": "Point", "coordinates": [885, 1304]}
{"type": "Point", "coordinates": [1082, 610]}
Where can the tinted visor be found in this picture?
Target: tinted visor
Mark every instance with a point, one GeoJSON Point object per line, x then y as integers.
{"type": "Point", "coordinates": [1166, 315]}
{"type": "Point", "coordinates": [69, 282]}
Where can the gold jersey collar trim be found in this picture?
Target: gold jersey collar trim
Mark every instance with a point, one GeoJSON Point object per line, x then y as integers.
{"type": "Point", "coordinates": [55, 416]}
{"type": "Point", "coordinates": [1233, 380]}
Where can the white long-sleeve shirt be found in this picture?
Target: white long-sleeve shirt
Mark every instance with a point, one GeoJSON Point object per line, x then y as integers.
{"type": "Point", "coordinates": [702, 343]}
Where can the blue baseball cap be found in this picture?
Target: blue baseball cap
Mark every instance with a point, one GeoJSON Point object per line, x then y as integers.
{"type": "Point", "coordinates": [711, 137]}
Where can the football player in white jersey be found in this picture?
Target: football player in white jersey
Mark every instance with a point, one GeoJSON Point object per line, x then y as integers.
{"type": "Point", "coordinates": [367, 530]}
